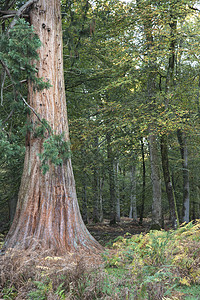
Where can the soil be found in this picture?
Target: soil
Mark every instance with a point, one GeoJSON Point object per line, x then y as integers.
{"type": "Point", "coordinates": [105, 233]}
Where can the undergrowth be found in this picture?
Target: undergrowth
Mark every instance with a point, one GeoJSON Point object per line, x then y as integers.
{"type": "Point", "coordinates": [159, 261]}
{"type": "Point", "coordinates": [159, 265]}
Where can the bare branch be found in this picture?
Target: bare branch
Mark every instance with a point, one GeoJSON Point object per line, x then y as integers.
{"type": "Point", "coordinates": [8, 117]}
{"type": "Point", "coordinates": [8, 86]}
{"type": "Point", "coordinates": [20, 12]}
{"type": "Point", "coordinates": [11, 16]}
{"type": "Point", "coordinates": [8, 12]}
{"type": "Point", "coordinates": [193, 8]}
{"type": "Point", "coordinates": [7, 5]}
{"type": "Point", "coordinates": [31, 108]}
{"type": "Point", "coordinates": [9, 75]}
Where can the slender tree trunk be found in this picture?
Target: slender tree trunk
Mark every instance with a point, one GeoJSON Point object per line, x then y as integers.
{"type": "Point", "coordinates": [95, 196]}
{"type": "Point", "coordinates": [197, 206]}
{"type": "Point", "coordinates": [156, 183]}
{"type": "Point", "coordinates": [117, 192]}
{"type": "Point", "coordinates": [169, 85]}
{"type": "Point", "coordinates": [143, 183]}
{"type": "Point", "coordinates": [111, 180]}
{"type": "Point", "coordinates": [168, 183]}
{"type": "Point", "coordinates": [133, 204]}
{"type": "Point", "coordinates": [101, 183]}
{"type": "Point", "coordinates": [186, 192]}
{"type": "Point", "coordinates": [122, 191]}
{"type": "Point", "coordinates": [84, 201]}
{"type": "Point", "coordinates": [150, 96]}
{"type": "Point", "coordinates": [96, 182]}
{"type": "Point", "coordinates": [47, 214]}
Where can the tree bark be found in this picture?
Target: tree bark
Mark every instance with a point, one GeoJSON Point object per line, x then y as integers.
{"type": "Point", "coordinates": [111, 180]}
{"type": "Point", "coordinates": [186, 190]}
{"type": "Point", "coordinates": [84, 201]}
{"type": "Point", "coordinates": [133, 206]}
{"type": "Point", "coordinates": [150, 96]}
{"type": "Point", "coordinates": [12, 203]}
{"type": "Point", "coordinates": [156, 183]}
{"type": "Point", "coordinates": [117, 192]}
{"type": "Point", "coordinates": [168, 183]}
{"type": "Point", "coordinates": [95, 183]}
{"type": "Point", "coordinates": [47, 214]}
{"type": "Point", "coordinates": [143, 183]}
{"type": "Point", "coordinates": [101, 183]}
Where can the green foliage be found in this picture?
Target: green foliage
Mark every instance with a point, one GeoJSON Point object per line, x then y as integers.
{"type": "Point", "coordinates": [18, 50]}
{"type": "Point", "coordinates": [160, 258]}
{"type": "Point", "coordinates": [41, 291]}
{"type": "Point", "coordinates": [55, 150]}
{"type": "Point", "coordinates": [9, 293]}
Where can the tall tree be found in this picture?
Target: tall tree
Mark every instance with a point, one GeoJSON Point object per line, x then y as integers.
{"type": "Point", "coordinates": [47, 214]}
{"type": "Point", "coordinates": [147, 21]}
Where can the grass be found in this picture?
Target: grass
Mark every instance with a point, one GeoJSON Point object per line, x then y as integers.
{"type": "Point", "coordinates": [190, 292]}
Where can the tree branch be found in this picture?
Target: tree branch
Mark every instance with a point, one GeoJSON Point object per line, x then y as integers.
{"type": "Point", "coordinates": [13, 84]}
{"type": "Point", "coordinates": [2, 86]}
{"type": "Point", "coordinates": [20, 12]}
{"type": "Point", "coordinates": [193, 8]}
{"type": "Point", "coordinates": [8, 117]}
{"type": "Point", "coordinates": [11, 16]}
{"type": "Point", "coordinates": [7, 5]}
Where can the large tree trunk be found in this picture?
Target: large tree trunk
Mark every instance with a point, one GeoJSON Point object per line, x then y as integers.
{"type": "Point", "coordinates": [47, 214]}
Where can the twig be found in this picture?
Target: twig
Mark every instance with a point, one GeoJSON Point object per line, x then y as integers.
{"type": "Point", "coordinates": [2, 86]}
{"type": "Point", "coordinates": [9, 5]}
{"type": "Point", "coordinates": [9, 75]}
{"type": "Point", "coordinates": [31, 108]}
{"type": "Point", "coordinates": [22, 81]}
{"type": "Point", "coordinates": [11, 16]}
{"type": "Point", "coordinates": [8, 117]}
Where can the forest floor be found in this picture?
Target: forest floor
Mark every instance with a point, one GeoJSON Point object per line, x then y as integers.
{"type": "Point", "coordinates": [105, 233]}
{"type": "Point", "coordinates": [155, 265]}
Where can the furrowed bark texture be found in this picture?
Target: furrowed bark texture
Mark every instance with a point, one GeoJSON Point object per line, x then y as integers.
{"type": "Point", "coordinates": [47, 214]}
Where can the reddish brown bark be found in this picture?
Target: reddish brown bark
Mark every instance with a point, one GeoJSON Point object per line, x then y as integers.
{"type": "Point", "coordinates": [47, 214]}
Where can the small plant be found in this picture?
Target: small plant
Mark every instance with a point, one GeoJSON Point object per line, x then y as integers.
{"type": "Point", "coordinates": [159, 260]}
{"type": "Point", "coordinates": [60, 291]}
{"type": "Point", "coordinates": [9, 293]}
{"type": "Point", "coordinates": [41, 291]}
